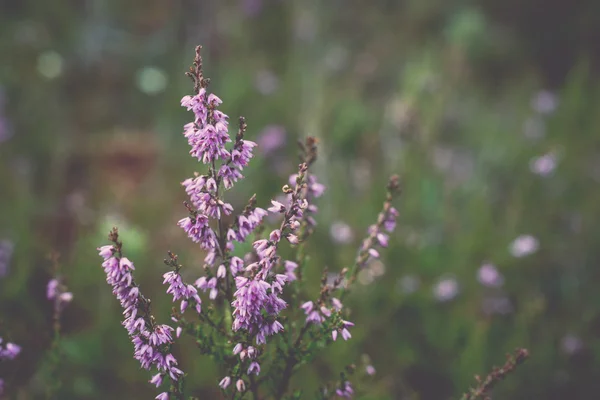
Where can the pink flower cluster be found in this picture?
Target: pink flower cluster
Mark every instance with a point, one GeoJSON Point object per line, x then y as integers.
{"type": "Point", "coordinates": [151, 341]}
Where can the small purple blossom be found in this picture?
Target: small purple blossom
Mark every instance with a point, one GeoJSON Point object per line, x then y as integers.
{"type": "Point", "coordinates": [488, 275]}
{"type": "Point", "coordinates": [341, 232]}
{"type": "Point", "coordinates": [225, 382]}
{"type": "Point", "coordinates": [343, 330]}
{"type": "Point", "coordinates": [544, 102]}
{"type": "Point", "coordinates": [370, 370]}
{"type": "Point", "coordinates": [151, 341]}
{"type": "Point", "coordinates": [8, 350]}
{"type": "Point", "coordinates": [181, 291]}
{"type": "Point", "coordinates": [446, 289]}
{"type": "Point", "coordinates": [290, 270]}
{"type": "Point", "coordinates": [271, 138]}
{"type": "Point", "coordinates": [240, 385]}
{"type": "Point", "coordinates": [523, 246]}
{"type": "Point", "coordinates": [543, 165]}
{"type": "Point", "coordinates": [56, 292]}
{"type": "Point", "coordinates": [571, 344]}
{"type": "Point", "coordinates": [254, 368]}
{"type": "Point", "coordinates": [345, 390]}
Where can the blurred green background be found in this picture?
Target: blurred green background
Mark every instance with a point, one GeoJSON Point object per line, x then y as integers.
{"type": "Point", "coordinates": [489, 111]}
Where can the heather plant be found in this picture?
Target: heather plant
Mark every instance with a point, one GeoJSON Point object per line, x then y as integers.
{"type": "Point", "coordinates": [8, 351]}
{"type": "Point", "coordinates": [249, 311]}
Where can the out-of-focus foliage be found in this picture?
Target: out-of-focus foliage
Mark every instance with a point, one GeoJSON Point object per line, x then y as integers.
{"type": "Point", "coordinates": [489, 114]}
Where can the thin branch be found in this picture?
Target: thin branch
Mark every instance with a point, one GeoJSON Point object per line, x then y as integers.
{"type": "Point", "coordinates": [484, 386]}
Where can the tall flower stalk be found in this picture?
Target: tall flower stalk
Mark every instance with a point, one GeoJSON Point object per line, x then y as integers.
{"type": "Point", "coordinates": [151, 341]}
{"type": "Point", "coordinates": [248, 312]}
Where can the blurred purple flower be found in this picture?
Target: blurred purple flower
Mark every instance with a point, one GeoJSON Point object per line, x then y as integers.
{"type": "Point", "coordinates": [341, 232]}
{"type": "Point", "coordinates": [523, 246]}
{"type": "Point", "coordinates": [488, 275]}
{"type": "Point", "coordinates": [345, 390]}
{"type": "Point", "coordinates": [370, 370]}
{"type": "Point", "coordinates": [271, 138]}
{"type": "Point", "coordinates": [543, 165]}
{"type": "Point", "coordinates": [6, 250]}
{"type": "Point", "coordinates": [8, 351]}
{"type": "Point", "coordinates": [57, 292]}
{"type": "Point", "coordinates": [446, 289]}
{"type": "Point", "coordinates": [544, 102]}
{"type": "Point", "coordinates": [571, 344]}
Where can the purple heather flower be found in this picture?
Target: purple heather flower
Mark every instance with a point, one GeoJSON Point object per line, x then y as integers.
{"type": "Point", "coordinates": [225, 382]}
{"type": "Point", "coordinates": [254, 368]}
{"type": "Point", "coordinates": [544, 102]}
{"type": "Point", "coordinates": [341, 232]}
{"type": "Point", "coordinates": [9, 351]}
{"type": "Point", "coordinates": [181, 291]}
{"type": "Point", "coordinates": [314, 317]}
{"type": "Point", "coordinates": [390, 220]}
{"type": "Point", "coordinates": [370, 370]}
{"type": "Point", "coordinates": [157, 379]}
{"type": "Point", "coordinates": [199, 231]}
{"type": "Point", "coordinates": [345, 390]}
{"type": "Point", "coordinates": [252, 297]}
{"type": "Point", "coordinates": [277, 207]}
{"type": "Point", "coordinates": [307, 307]}
{"type": "Point", "coordinates": [293, 239]}
{"type": "Point", "coordinates": [488, 275]}
{"type": "Point", "coordinates": [373, 253]}
{"type": "Point", "coordinates": [56, 292]}
{"type": "Point", "coordinates": [523, 246]}
{"type": "Point", "coordinates": [343, 330]}
{"type": "Point", "coordinates": [52, 289]}
{"type": "Point", "coordinates": [446, 289]}
{"type": "Point", "coordinates": [149, 340]}
{"type": "Point", "coordinates": [246, 224]}
{"type": "Point", "coordinates": [290, 268]}
{"type": "Point", "coordinates": [240, 385]}
{"type": "Point", "coordinates": [236, 265]}
{"type": "Point", "coordinates": [205, 284]}
{"type": "Point", "coordinates": [543, 165]}
{"type": "Point", "coordinates": [238, 348]}
{"type": "Point", "coordinates": [571, 344]}
{"type": "Point", "coordinates": [208, 136]}
{"type": "Point", "coordinates": [336, 303]}
{"type": "Point", "coordinates": [271, 138]}
{"type": "Point", "coordinates": [496, 305]}
{"type": "Point", "coordinates": [162, 396]}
